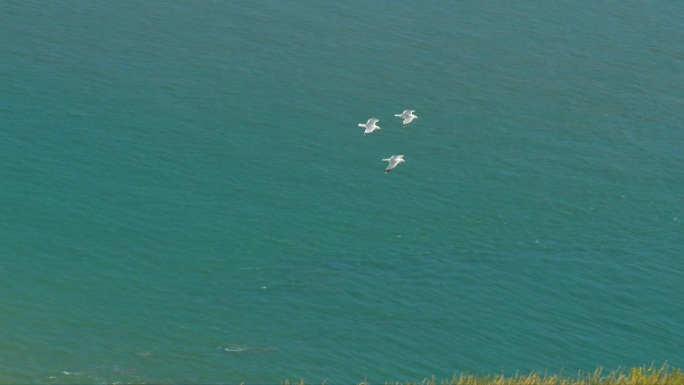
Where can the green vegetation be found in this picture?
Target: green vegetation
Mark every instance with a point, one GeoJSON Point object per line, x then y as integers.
{"type": "Point", "coordinates": [635, 376]}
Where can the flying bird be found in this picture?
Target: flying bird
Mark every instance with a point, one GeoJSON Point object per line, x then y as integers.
{"type": "Point", "coordinates": [394, 160]}
{"type": "Point", "coordinates": [370, 126]}
{"type": "Point", "coordinates": [408, 116]}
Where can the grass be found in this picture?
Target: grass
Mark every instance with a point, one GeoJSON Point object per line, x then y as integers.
{"type": "Point", "coordinates": [663, 375]}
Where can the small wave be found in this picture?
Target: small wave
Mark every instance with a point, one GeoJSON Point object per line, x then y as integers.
{"type": "Point", "coordinates": [235, 348]}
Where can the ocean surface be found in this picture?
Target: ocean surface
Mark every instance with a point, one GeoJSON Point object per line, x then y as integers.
{"type": "Point", "coordinates": [185, 196]}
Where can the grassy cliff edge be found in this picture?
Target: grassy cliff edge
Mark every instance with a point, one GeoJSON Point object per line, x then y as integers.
{"type": "Point", "coordinates": [652, 375]}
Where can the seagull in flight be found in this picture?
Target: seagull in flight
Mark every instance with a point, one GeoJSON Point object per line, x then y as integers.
{"type": "Point", "coordinates": [408, 116]}
{"type": "Point", "coordinates": [370, 126]}
{"type": "Point", "coordinates": [394, 160]}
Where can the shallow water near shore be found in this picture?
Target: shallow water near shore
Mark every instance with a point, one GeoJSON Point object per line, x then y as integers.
{"type": "Point", "coordinates": [187, 198]}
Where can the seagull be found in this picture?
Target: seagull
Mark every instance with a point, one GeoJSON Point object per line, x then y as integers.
{"type": "Point", "coordinates": [408, 116]}
{"type": "Point", "coordinates": [370, 126]}
{"type": "Point", "coordinates": [394, 160]}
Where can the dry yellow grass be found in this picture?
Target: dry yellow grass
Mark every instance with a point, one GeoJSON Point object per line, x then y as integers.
{"type": "Point", "coordinates": [652, 375]}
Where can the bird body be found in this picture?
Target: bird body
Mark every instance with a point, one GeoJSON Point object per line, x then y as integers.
{"type": "Point", "coordinates": [407, 116]}
{"type": "Point", "coordinates": [370, 126]}
{"type": "Point", "coordinates": [394, 160]}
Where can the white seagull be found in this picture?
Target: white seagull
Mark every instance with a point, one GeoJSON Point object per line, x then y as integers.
{"type": "Point", "coordinates": [370, 126]}
{"type": "Point", "coordinates": [408, 116]}
{"type": "Point", "coordinates": [394, 160]}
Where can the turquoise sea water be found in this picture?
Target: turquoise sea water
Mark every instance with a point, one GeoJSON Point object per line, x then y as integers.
{"type": "Point", "coordinates": [186, 196]}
